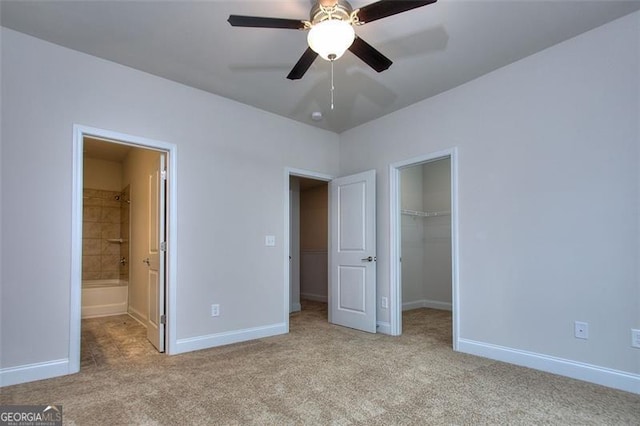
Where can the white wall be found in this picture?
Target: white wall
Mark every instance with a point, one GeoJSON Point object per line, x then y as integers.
{"type": "Point", "coordinates": [548, 197]}
{"type": "Point", "coordinates": [224, 150]}
{"type": "Point", "coordinates": [102, 174]}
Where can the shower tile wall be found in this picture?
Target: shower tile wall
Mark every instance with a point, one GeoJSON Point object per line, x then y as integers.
{"type": "Point", "coordinates": [101, 221]}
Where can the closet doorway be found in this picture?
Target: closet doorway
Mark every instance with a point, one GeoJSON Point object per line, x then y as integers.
{"type": "Point", "coordinates": [308, 244]}
{"type": "Point", "coordinates": [423, 239]}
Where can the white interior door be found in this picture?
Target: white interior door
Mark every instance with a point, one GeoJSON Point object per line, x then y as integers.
{"type": "Point", "coordinates": [352, 255]}
{"type": "Point", "coordinates": [156, 256]}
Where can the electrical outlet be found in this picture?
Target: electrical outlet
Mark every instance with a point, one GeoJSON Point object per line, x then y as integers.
{"type": "Point", "coordinates": [581, 330]}
{"type": "Point", "coordinates": [635, 338]}
{"type": "Point", "coordinates": [270, 240]}
{"type": "Point", "coordinates": [215, 310]}
{"type": "Point", "coordinates": [384, 302]}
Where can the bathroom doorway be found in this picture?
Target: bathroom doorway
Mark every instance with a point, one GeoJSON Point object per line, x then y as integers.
{"type": "Point", "coordinates": [122, 220]}
{"type": "Point", "coordinates": [123, 196]}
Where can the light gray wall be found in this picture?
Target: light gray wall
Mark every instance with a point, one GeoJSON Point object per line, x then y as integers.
{"type": "Point", "coordinates": [548, 194]}
{"type": "Point", "coordinates": [231, 161]}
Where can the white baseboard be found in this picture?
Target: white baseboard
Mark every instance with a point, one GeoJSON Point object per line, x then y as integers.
{"type": "Point", "coordinates": [295, 307]}
{"type": "Point", "coordinates": [138, 316]}
{"type": "Point", "coordinates": [426, 303]}
{"type": "Point", "coordinates": [32, 372]}
{"type": "Point", "coordinates": [137, 320]}
{"type": "Point", "coordinates": [314, 297]}
{"type": "Point", "coordinates": [383, 327]}
{"type": "Point", "coordinates": [577, 370]}
{"type": "Point", "coordinates": [226, 338]}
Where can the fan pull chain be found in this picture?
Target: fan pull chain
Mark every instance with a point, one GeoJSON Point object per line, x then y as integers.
{"type": "Point", "coordinates": [332, 86]}
{"type": "Point", "coordinates": [332, 58]}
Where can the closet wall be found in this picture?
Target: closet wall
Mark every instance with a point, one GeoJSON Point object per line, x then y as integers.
{"type": "Point", "coordinates": [426, 235]}
{"type": "Point", "coordinates": [314, 242]}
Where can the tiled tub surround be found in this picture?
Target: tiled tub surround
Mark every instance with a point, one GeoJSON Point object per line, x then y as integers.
{"type": "Point", "coordinates": [105, 240]}
{"type": "Point", "coordinates": [102, 238]}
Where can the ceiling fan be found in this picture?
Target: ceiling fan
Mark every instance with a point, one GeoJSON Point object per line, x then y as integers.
{"type": "Point", "coordinates": [331, 30]}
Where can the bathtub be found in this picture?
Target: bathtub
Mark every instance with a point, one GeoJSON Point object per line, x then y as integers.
{"type": "Point", "coordinates": [101, 298]}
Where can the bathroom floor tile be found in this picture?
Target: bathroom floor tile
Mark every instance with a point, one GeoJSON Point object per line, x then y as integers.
{"type": "Point", "coordinates": [114, 340]}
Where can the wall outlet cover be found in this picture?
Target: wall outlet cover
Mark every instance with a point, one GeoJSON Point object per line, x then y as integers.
{"type": "Point", "coordinates": [581, 330]}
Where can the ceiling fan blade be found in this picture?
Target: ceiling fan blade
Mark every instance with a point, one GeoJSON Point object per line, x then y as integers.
{"type": "Point", "coordinates": [384, 8]}
{"type": "Point", "coordinates": [303, 64]}
{"type": "Point", "coordinates": [259, 22]}
{"type": "Point", "coordinates": [370, 55]}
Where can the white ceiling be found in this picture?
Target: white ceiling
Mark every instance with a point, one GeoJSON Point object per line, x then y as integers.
{"type": "Point", "coordinates": [434, 48]}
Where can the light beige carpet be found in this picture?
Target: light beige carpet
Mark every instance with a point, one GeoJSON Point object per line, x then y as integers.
{"type": "Point", "coordinates": [318, 374]}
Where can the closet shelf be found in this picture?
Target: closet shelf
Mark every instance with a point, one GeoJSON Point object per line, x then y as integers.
{"type": "Point", "coordinates": [416, 213]}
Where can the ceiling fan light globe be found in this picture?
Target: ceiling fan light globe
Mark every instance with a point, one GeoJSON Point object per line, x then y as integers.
{"type": "Point", "coordinates": [331, 38]}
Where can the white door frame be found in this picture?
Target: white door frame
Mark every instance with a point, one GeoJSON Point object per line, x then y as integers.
{"type": "Point", "coordinates": [395, 296]}
{"type": "Point", "coordinates": [75, 302]}
{"type": "Point", "coordinates": [288, 172]}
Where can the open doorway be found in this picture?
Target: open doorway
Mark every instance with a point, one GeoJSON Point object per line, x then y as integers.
{"type": "Point", "coordinates": [425, 234]}
{"type": "Point", "coordinates": [309, 244]}
{"type": "Point", "coordinates": [124, 213]}
{"type": "Point", "coordinates": [351, 242]}
{"type": "Point", "coordinates": [424, 242]}
{"type": "Point", "coordinates": [122, 262]}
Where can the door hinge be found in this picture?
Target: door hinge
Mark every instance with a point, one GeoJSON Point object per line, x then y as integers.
{"type": "Point", "coordinates": [163, 246]}
{"type": "Point", "coordinates": [163, 174]}
{"type": "Point", "coordinates": [163, 319]}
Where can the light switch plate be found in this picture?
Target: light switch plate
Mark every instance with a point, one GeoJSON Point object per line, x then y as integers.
{"type": "Point", "coordinates": [635, 338]}
{"type": "Point", "coordinates": [215, 310]}
{"type": "Point", "coordinates": [270, 240]}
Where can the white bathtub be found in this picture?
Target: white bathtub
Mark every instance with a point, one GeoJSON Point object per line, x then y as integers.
{"type": "Point", "coordinates": [101, 298]}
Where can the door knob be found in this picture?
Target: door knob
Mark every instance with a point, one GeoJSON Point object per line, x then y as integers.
{"type": "Point", "coordinates": [147, 261]}
{"type": "Point", "coordinates": [369, 259]}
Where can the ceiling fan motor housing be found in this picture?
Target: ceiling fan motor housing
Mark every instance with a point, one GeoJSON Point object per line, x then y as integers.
{"type": "Point", "coordinates": [340, 10]}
